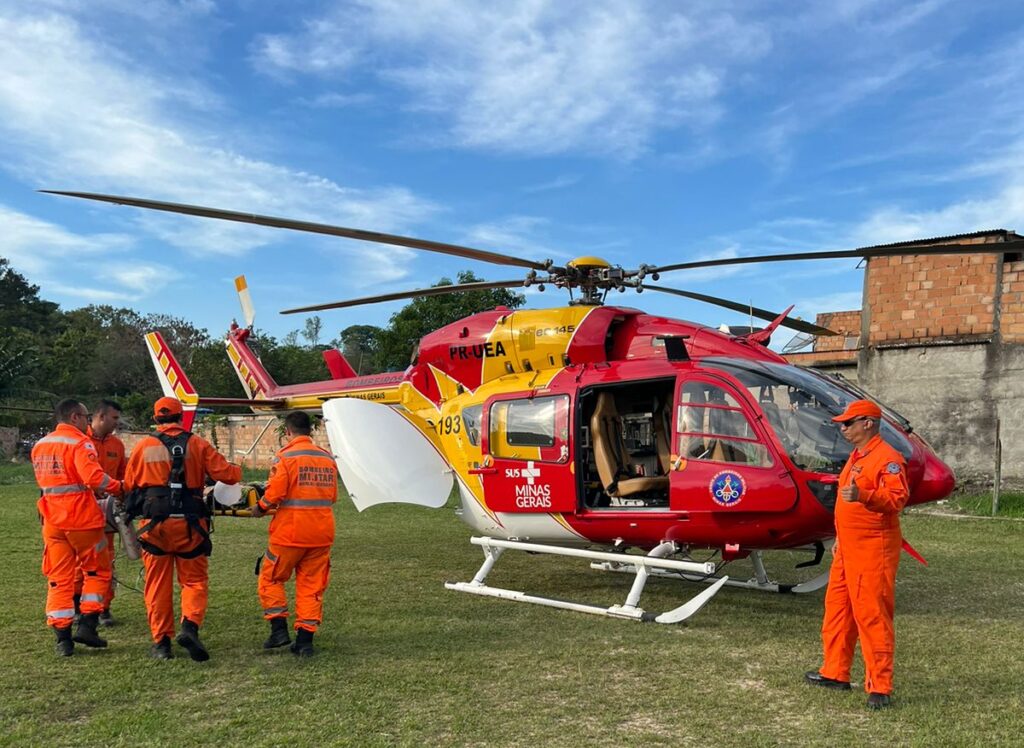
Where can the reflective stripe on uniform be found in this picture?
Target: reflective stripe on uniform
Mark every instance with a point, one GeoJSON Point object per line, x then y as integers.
{"type": "Point", "coordinates": [270, 555]}
{"type": "Point", "coordinates": [92, 597]}
{"type": "Point", "coordinates": [307, 622]}
{"type": "Point", "coordinates": [304, 503]}
{"type": "Point", "coordinates": [58, 440]}
{"type": "Point", "coordinates": [274, 611]}
{"type": "Point", "coordinates": [62, 613]}
{"type": "Point", "coordinates": [70, 488]}
{"type": "Point", "coordinates": [101, 545]}
{"type": "Point", "coordinates": [105, 482]}
{"type": "Point", "coordinates": [307, 453]}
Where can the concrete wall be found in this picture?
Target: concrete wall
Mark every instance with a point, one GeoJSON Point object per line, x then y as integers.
{"type": "Point", "coordinates": [953, 395]}
{"type": "Point", "coordinates": [8, 441]}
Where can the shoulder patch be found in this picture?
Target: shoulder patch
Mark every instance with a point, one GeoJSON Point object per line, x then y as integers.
{"type": "Point", "coordinates": [89, 446]}
{"type": "Point", "coordinates": [893, 467]}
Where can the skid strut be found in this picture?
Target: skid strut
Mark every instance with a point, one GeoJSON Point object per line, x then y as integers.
{"type": "Point", "coordinates": [643, 567]}
{"type": "Point", "coordinates": [760, 580]}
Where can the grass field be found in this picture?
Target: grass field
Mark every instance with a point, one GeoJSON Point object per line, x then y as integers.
{"type": "Point", "coordinates": [405, 662]}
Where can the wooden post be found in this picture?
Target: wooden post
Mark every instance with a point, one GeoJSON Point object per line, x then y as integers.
{"type": "Point", "coordinates": [999, 472]}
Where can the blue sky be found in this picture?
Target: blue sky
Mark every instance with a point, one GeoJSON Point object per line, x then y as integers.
{"type": "Point", "coordinates": [639, 131]}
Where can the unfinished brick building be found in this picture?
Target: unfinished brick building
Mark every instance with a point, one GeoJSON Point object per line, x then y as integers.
{"type": "Point", "coordinates": [941, 339]}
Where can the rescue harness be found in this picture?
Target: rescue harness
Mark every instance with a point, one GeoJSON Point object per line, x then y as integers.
{"type": "Point", "coordinates": [174, 499]}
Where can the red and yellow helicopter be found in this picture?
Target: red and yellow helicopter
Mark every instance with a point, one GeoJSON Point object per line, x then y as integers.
{"type": "Point", "coordinates": [589, 425]}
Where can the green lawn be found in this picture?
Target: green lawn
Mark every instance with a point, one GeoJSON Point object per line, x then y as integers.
{"type": "Point", "coordinates": [404, 661]}
{"type": "Point", "coordinates": [1011, 504]}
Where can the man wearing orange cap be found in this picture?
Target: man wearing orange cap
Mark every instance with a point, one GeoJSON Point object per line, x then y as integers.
{"type": "Point", "coordinates": [69, 474]}
{"type": "Point", "coordinates": [861, 591]}
{"type": "Point", "coordinates": [167, 471]}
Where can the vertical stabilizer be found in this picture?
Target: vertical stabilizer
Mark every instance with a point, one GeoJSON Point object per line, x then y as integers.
{"type": "Point", "coordinates": [172, 377]}
{"type": "Point", "coordinates": [255, 379]}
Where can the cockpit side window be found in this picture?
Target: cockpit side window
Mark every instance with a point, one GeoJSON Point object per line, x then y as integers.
{"type": "Point", "coordinates": [798, 405]}
{"type": "Point", "coordinates": [712, 426]}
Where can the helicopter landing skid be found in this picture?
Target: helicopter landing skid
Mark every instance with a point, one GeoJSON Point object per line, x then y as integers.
{"type": "Point", "coordinates": [759, 581]}
{"type": "Point", "coordinates": [641, 566]}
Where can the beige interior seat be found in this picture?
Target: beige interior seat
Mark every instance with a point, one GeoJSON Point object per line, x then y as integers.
{"type": "Point", "coordinates": [611, 455]}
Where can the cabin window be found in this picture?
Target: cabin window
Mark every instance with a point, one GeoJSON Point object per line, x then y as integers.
{"type": "Point", "coordinates": [471, 420]}
{"type": "Point", "coordinates": [712, 426]}
{"type": "Point", "coordinates": [530, 429]}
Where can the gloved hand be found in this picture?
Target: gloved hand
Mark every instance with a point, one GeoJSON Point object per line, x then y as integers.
{"type": "Point", "coordinates": [255, 511]}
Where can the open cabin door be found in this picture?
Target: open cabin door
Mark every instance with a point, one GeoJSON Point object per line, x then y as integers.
{"type": "Point", "coordinates": [382, 458]}
{"type": "Point", "coordinates": [724, 461]}
{"type": "Point", "coordinates": [526, 447]}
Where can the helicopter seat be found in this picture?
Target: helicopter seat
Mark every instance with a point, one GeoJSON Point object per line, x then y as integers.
{"type": "Point", "coordinates": [722, 451]}
{"type": "Point", "coordinates": [612, 457]}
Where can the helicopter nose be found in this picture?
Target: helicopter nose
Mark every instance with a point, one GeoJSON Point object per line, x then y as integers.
{"type": "Point", "coordinates": [937, 481]}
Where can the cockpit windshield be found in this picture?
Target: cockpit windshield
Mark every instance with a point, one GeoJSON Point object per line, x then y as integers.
{"type": "Point", "coordinates": [799, 405]}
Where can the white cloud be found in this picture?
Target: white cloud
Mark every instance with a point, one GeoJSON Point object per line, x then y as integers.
{"type": "Point", "coordinates": [1001, 209]}
{"type": "Point", "coordinates": [35, 247]}
{"type": "Point", "coordinates": [534, 76]}
{"type": "Point", "coordinates": [83, 116]}
{"type": "Point", "coordinates": [78, 266]}
{"type": "Point", "coordinates": [141, 278]}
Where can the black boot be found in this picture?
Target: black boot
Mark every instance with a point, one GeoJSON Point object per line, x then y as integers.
{"type": "Point", "coordinates": [78, 610]}
{"type": "Point", "coordinates": [278, 634]}
{"type": "Point", "coordinates": [162, 649]}
{"type": "Point", "coordinates": [86, 631]}
{"type": "Point", "coordinates": [188, 637]}
{"type": "Point", "coordinates": [303, 646]}
{"type": "Point", "coordinates": [65, 647]}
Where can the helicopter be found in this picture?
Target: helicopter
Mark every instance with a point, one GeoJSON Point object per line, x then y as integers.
{"type": "Point", "coordinates": [588, 430]}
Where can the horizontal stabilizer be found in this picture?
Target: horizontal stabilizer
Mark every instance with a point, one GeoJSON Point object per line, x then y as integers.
{"type": "Point", "coordinates": [223, 402]}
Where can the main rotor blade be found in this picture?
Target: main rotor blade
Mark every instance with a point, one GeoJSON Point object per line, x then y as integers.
{"type": "Point", "coordinates": [793, 324]}
{"type": "Point", "coordinates": [863, 252]}
{"type": "Point", "coordinates": [432, 291]}
{"type": "Point", "coordinates": [309, 227]}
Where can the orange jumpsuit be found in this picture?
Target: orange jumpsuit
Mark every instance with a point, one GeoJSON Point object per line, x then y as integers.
{"type": "Point", "coordinates": [69, 474]}
{"type": "Point", "coordinates": [303, 486]}
{"type": "Point", "coordinates": [110, 453]}
{"type": "Point", "coordinates": [861, 591]}
{"type": "Point", "coordinates": [150, 465]}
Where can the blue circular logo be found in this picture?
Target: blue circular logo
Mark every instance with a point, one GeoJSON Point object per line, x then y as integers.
{"type": "Point", "coordinates": [727, 488]}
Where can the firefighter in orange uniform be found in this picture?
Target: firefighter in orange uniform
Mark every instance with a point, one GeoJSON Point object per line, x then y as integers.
{"type": "Point", "coordinates": [166, 473]}
{"type": "Point", "coordinates": [860, 599]}
{"type": "Point", "coordinates": [303, 486]}
{"type": "Point", "coordinates": [110, 453]}
{"type": "Point", "coordinates": [69, 475]}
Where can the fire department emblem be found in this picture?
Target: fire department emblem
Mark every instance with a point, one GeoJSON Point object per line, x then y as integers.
{"type": "Point", "coordinates": [727, 488]}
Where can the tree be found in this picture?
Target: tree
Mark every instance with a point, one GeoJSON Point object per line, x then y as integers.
{"type": "Point", "coordinates": [20, 305]}
{"type": "Point", "coordinates": [311, 332]}
{"type": "Point", "coordinates": [428, 313]}
{"type": "Point", "coordinates": [360, 345]}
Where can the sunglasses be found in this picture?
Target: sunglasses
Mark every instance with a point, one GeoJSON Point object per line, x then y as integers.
{"type": "Point", "coordinates": [847, 424]}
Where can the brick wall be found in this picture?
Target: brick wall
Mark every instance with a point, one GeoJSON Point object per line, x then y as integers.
{"type": "Point", "coordinates": [1011, 323]}
{"type": "Point", "coordinates": [847, 324]}
{"type": "Point", "coordinates": [240, 437]}
{"type": "Point", "coordinates": [918, 297]}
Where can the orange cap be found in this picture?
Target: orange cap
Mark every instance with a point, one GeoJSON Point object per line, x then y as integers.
{"type": "Point", "coordinates": [167, 406]}
{"type": "Point", "coordinates": [864, 408]}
